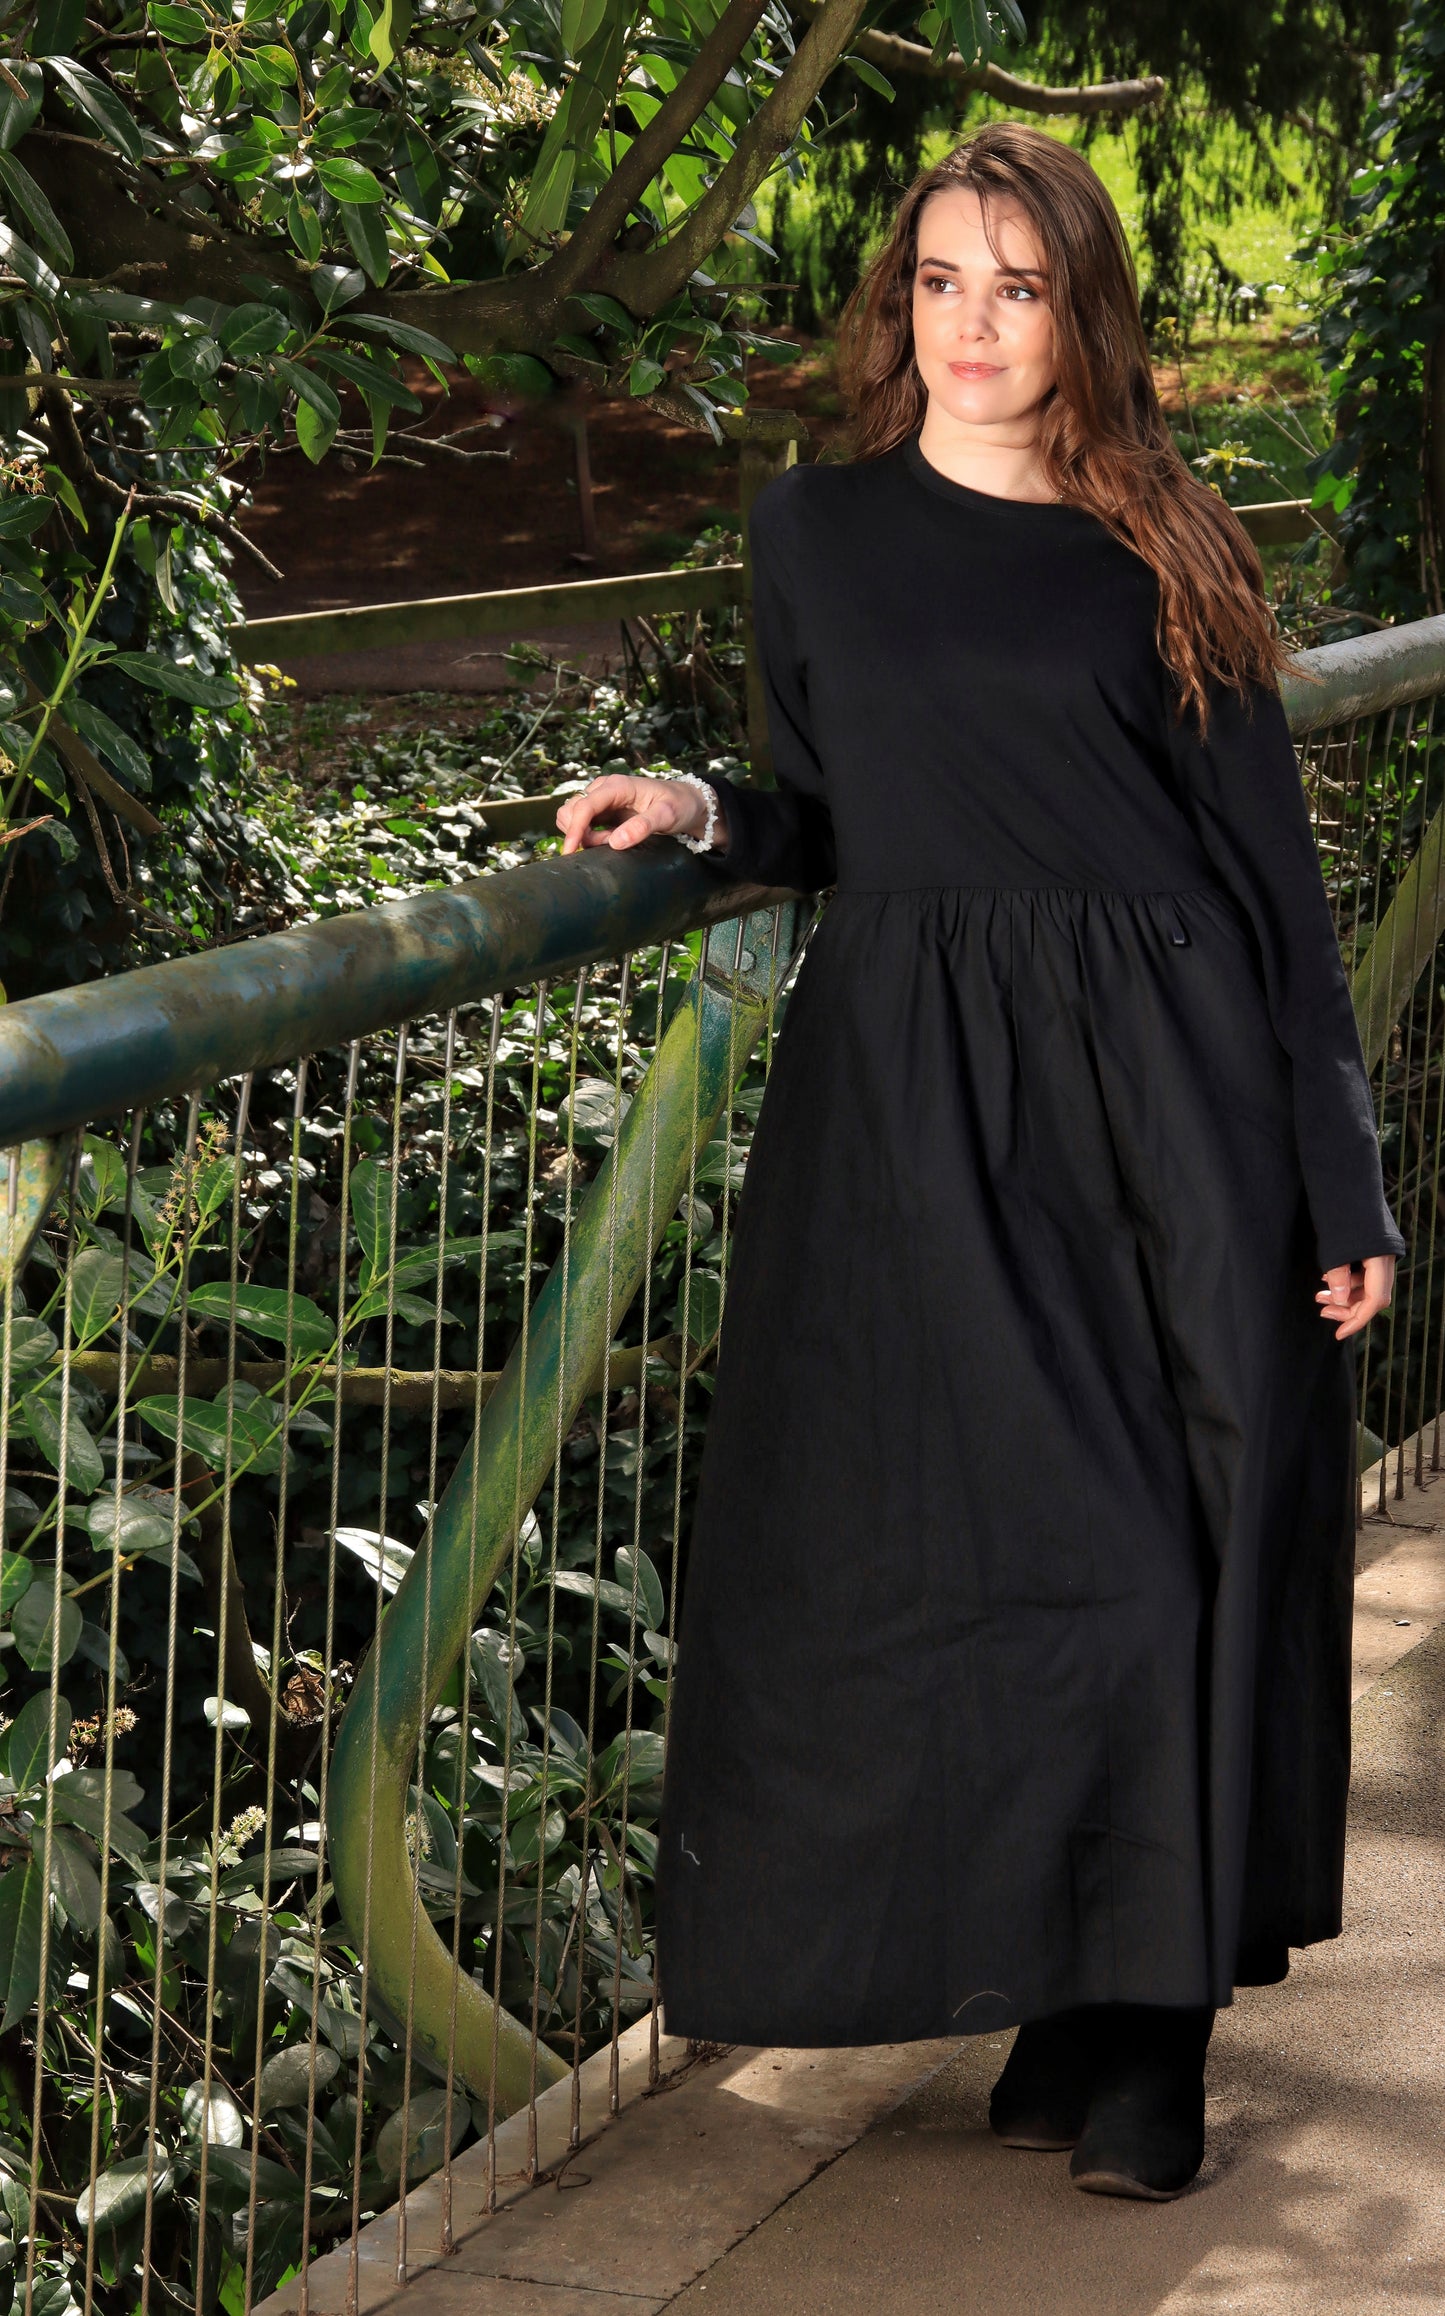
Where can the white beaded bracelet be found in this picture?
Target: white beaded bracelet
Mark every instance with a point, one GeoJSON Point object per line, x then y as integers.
{"type": "Point", "coordinates": [703, 843]}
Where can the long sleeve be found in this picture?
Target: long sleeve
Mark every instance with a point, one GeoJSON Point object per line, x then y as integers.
{"type": "Point", "coordinates": [783, 835]}
{"type": "Point", "coordinates": [1242, 790]}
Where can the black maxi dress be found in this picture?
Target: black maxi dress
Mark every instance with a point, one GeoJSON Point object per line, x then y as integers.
{"type": "Point", "coordinates": [1014, 1646]}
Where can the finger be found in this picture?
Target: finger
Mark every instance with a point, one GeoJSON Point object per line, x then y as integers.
{"type": "Point", "coordinates": [631, 831]}
{"type": "Point", "coordinates": [576, 816]}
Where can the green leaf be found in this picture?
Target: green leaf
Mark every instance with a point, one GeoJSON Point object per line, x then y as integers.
{"type": "Point", "coordinates": [96, 1280]}
{"type": "Point", "coordinates": [704, 1307]}
{"type": "Point", "coordinates": [286, 2080]}
{"type": "Point", "coordinates": [109, 740]}
{"type": "Point", "coordinates": [421, 2128]}
{"type": "Point", "coordinates": [379, 1554]}
{"type": "Point", "coordinates": [98, 1805]}
{"type": "Point", "coordinates": [379, 39]}
{"type": "Point", "coordinates": [371, 1203]}
{"type": "Point", "coordinates": [304, 227]}
{"type": "Point", "coordinates": [645, 375]}
{"type": "Point", "coordinates": [314, 433]}
{"type": "Point", "coordinates": [310, 389]}
{"type": "Point", "coordinates": [650, 1596]}
{"type": "Point", "coordinates": [84, 1469]}
{"type": "Point", "coordinates": [36, 1630]}
{"type": "Point", "coordinates": [119, 2194]}
{"type": "Point", "coordinates": [409, 339]}
{"type": "Point", "coordinates": [186, 25]}
{"type": "Point", "coordinates": [369, 376]}
{"type": "Point", "coordinates": [25, 261]}
{"type": "Point", "coordinates": [347, 180]}
{"type": "Point", "coordinates": [580, 19]}
{"type": "Point", "coordinates": [101, 106]}
{"type": "Point", "coordinates": [972, 32]}
{"type": "Point", "coordinates": [254, 1429]}
{"type": "Point", "coordinates": [367, 235]}
{"type": "Point", "coordinates": [215, 2117]}
{"type": "Point", "coordinates": [870, 76]}
{"type": "Point", "coordinates": [253, 330]}
{"type": "Point", "coordinates": [26, 194]}
{"type": "Point", "coordinates": [58, 27]}
{"type": "Point", "coordinates": [20, 516]}
{"type": "Point", "coordinates": [74, 1880]}
{"type": "Point", "coordinates": [263, 1311]}
{"type": "Point", "coordinates": [180, 683]}
{"type": "Point", "coordinates": [22, 1903]}
{"type": "Point", "coordinates": [31, 1753]}
{"type": "Point", "coordinates": [130, 1526]}
{"type": "Point", "coordinates": [606, 310]}
{"type": "Point", "coordinates": [15, 1575]}
{"type": "Point", "coordinates": [18, 115]}
{"type": "Point", "coordinates": [102, 1177]}
{"type": "Point", "coordinates": [31, 1345]}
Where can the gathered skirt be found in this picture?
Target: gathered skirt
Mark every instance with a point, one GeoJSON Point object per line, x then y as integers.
{"type": "Point", "coordinates": [1013, 1664]}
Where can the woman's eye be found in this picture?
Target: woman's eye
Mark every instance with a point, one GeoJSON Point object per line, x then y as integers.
{"type": "Point", "coordinates": [938, 281]}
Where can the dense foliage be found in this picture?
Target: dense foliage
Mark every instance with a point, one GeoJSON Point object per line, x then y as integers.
{"type": "Point", "coordinates": [1382, 339]}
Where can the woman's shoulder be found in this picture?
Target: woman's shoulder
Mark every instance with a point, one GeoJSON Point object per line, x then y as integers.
{"type": "Point", "coordinates": [809, 506]}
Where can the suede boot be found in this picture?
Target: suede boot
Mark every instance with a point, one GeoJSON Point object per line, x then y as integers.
{"type": "Point", "coordinates": [1042, 2097]}
{"type": "Point", "coordinates": [1144, 2133]}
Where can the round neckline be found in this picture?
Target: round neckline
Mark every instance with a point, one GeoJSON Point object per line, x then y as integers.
{"type": "Point", "coordinates": [963, 494]}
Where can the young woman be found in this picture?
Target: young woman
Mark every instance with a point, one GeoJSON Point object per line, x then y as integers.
{"type": "Point", "coordinates": [1013, 1684]}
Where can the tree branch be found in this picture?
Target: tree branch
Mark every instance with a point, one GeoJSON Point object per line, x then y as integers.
{"type": "Point", "coordinates": [893, 54]}
{"type": "Point", "coordinates": [675, 116]}
{"type": "Point", "coordinates": [645, 282]}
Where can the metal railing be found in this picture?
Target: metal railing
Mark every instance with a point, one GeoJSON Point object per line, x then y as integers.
{"type": "Point", "coordinates": [360, 1287]}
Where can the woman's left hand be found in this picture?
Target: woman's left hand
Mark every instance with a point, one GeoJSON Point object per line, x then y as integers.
{"type": "Point", "coordinates": [1353, 1293]}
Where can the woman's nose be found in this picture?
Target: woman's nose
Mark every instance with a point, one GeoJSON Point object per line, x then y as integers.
{"type": "Point", "coordinates": [974, 322]}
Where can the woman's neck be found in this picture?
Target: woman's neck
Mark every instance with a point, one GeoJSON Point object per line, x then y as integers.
{"type": "Point", "coordinates": [1002, 461]}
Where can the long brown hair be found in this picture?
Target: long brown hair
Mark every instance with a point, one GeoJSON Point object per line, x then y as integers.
{"type": "Point", "coordinates": [1103, 440]}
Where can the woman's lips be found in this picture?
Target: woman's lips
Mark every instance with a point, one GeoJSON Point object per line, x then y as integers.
{"type": "Point", "coordinates": [976, 369]}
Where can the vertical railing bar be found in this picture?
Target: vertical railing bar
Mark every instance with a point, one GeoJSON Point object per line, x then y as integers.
{"type": "Point", "coordinates": [57, 1597]}
{"type": "Point", "coordinates": [555, 1529]}
{"type": "Point", "coordinates": [298, 1113]}
{"type": "Point", "coordinates": [493, 1039]}
{"type": "Point", "coordinates": [684, 1377]}
{"type": "Point", "coordinates": [1406, 1067]}
{"type": "Point", "coordinates": [122, 1391]}
{"type": "Point", "coordinates": [595, 1640]}
{"type": "Point", "coordinates": [424, 1717]}
{"type": "Point", "coordinates": [228, 1469]}
{"type": "Point", "coordinates": [629, 1690]}
{"type": "Point", "coordinates": [185, 1178]}
{"type": "Point", "coordinates": [379, 1606]}
{"type": "Point", "coordinates": [1419, 1116]}
{"type": "Point", "coordinates": [1359, 763]}
{"type": "Point", "coordinates": [1395, 932]}
{"type": "Point", "coordinates": [524, 1344]}
{"type": "Point", "coordinates": [328, 1660]}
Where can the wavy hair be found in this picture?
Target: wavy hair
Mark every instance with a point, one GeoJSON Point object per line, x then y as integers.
{"type": "Point", "coordinates": [1103, 440]}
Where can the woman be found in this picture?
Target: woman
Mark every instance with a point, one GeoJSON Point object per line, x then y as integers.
{"type": "Point", "coordinates": [1014, 1671]}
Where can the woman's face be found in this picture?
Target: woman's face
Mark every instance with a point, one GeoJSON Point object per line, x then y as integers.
{"type": "Point", "coordinates": [983, 334]}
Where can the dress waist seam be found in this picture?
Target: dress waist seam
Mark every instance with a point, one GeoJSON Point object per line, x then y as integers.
{"type": "Point", "coordinates": [1102, 892]}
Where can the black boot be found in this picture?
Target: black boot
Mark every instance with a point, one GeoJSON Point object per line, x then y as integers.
{"type": "Point", "coordinates": [1042, 2097]}
{"type": "Point", "coordinates": [1144, 2135]}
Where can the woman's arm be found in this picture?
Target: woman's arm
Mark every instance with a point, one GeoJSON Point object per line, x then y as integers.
{"type": "Point", "coordinates": [1242, 788]}
{"type": "Point", "coordinates": [779, 836]}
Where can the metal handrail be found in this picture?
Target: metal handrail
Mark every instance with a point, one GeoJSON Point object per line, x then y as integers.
{"type": "Point", "coordinates": [106, 1046]}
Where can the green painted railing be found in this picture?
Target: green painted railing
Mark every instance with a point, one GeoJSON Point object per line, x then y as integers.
{"type": "Point", "coordinates": [67, 1060]}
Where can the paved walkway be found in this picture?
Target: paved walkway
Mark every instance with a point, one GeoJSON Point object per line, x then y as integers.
{"type": "Point", "coordinates": [866, 2183]}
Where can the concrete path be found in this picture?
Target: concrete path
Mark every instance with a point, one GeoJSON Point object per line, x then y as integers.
{"type": "Point", "coordinates": [866, 2183]}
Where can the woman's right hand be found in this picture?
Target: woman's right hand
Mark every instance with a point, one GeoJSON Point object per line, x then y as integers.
{"type": "Point", "coordinates": [635, 807]}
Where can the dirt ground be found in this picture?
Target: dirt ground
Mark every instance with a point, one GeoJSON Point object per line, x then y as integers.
{"type": "Point", "coordinates": [345, 532]}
